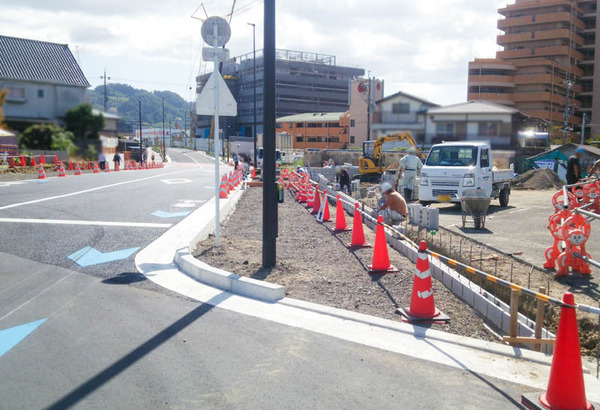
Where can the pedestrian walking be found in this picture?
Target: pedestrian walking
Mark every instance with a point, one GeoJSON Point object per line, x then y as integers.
{"type": "Point", "coordinates": [236, 161]}
{"type": "Point", "coordinates": [117, 160]}
{"type": "Point", "coordinates": [101, 160]}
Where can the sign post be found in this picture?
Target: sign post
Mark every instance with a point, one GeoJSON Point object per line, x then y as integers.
{"type": "Point", "coordinates": [216, 32]}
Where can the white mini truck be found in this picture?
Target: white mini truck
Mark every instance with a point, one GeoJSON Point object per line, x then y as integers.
{"type": "Point", "coordinates": [452, 168]}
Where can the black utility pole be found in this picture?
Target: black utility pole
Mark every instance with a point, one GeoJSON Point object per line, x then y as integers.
{"type": "Point", "coordinates": [141, 139]}
{"type": "Point", "coordinates": [369, 110]}
{"type": "Point", "coordinates": [164, 146]}
{"type": "Point", "coordinates": [269, 255]}
{"type": "Point", "coordinates": [254, 62]}
{"type": "Point", "coordinates": [104, 77]}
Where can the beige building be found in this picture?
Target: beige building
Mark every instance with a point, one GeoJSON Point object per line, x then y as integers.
{"type": "Point", "coordinates": [358, 112]}
{"type": "Point", "coordinates": [546, 64]}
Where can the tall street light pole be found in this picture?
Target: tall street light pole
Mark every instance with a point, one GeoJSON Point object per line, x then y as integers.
{"type": "Point", "coordinates": [140, 115]}
{"type": "Point", "coordinates": [254, 62]}
{"type": "Point", "coordinates": [269, 255]}
{"type": "Point", "coordinates": [164, 146]}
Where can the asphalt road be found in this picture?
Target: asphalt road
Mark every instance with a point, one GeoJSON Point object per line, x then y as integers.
{"type": "Point", "coordinates": [104, 337]}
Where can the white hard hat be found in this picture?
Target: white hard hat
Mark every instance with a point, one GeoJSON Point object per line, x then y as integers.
{"type": "Point", "coordinates": [412, 150]}
{"type": "Point", "coordinates": [385, 187]}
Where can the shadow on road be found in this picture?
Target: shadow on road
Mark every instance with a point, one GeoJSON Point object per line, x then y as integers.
{"type": "Point", "coordinates": [97, 381]}
{"type": "Point", "coordinates": [125, 278]}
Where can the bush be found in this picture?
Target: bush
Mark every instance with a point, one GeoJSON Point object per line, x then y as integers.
{"type": "Point", "coordinates": [83, 123]}
{"type": "Point", "coordinates": [64, 142]}
{"type": "Point", "coordinates": [92, 153]}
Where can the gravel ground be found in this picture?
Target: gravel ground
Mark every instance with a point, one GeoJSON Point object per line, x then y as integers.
{"type": "Point", "coordinates": [314, 265]}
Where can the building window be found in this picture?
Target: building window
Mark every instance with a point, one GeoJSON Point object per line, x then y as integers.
{"type": "Point", "coordinates": [352, 123]}
{"type": "Point", "coordinates": [16, 94]}
{"type": "Point", "coordinates": [401, 108]}
{"type": "Point", "coordinates": [445, 129]}
{"type": "Point", "coordinates": [298, 139]}
{"type": "Point", "coordinates": [489, 129]}
{"type": "Point", "coordinates": [352, 139]}
{"type": "Point", "coordinates": [279, 125]}
{"type": "Point", "coordinates": [40, 93]}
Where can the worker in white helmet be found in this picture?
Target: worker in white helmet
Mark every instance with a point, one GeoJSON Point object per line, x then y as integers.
{"type": "Point", "coordinates": [394, 209]}
{"type": "Point", "coordinates": [410, 165]}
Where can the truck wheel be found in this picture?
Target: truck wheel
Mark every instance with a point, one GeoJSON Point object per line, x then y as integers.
{"type": "Point", "coordinates": [504, 197]}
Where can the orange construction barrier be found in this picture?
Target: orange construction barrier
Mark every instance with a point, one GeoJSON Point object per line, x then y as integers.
{"type": "Point", "coordinates": [340, 216]}
{"type": "Point", "coordinates": [358, 233]}
{"type": "Point", "coordinates": [566, 390]}
{"type": "Point", "coordinates": [422, 305]}
{"type": "Point", "coordinates": [41, 173]}
{"type": "Point", "coordinates": [77, 169]}
{"type": "Point", "coordinates": [381, 258]}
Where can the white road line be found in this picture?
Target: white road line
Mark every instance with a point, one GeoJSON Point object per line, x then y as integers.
{"type": "Point", "coordinates": [183, 153]}
{"type": "Point", "coordinates": [91, 223]}
{"type": "Point", "coordinates": [35, 201]}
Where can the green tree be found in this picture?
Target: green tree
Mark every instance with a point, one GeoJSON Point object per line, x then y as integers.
{"type": "Point", "coordinates": [83, 123]}
{"type": "Point", "coordinates": [47, 136]}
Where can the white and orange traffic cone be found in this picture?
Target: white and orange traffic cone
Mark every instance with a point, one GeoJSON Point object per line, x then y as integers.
{"type": "Point", "coordinates": [106, 167]}
{"type": "Point", "coordinates": [61, 170]}
{"type": "Point", "coordinates": [223, 187]}
{"type": "Point", "coordinates": [422, 305]}
{"type": "Point", "coordinates": [77, 169]}
{"type": "Point", "coordinates": [41, 173]}
{"type": "Point", "coordinates": [96, 169]}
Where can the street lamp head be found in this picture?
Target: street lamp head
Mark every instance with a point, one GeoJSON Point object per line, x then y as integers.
{"type": "Point", "coordinates": [252, 24]}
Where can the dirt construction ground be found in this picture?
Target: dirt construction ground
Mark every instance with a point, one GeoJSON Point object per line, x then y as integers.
{"type": "Point", "coordinates": [315, 265]}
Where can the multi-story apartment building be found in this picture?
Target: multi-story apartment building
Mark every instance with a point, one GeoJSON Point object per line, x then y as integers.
{"type": "Point", "coordinates": [317, 129]}
{"type": "Point", "coordinates": [305, 82]}
{"type": "Point", "coordinates": [547, 62]}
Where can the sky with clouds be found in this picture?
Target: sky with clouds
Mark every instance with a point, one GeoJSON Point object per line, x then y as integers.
{"type": "Point", "coordinates": [418, 46]}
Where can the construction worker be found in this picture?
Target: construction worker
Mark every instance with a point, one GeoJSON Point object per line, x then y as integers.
{"type": "Point", "coordinates": [343, 178]}
{"type": "Point", "coordinates": [574, 167]}
{"type": "Point", "coordinates": [394, 209]}
{"type": "Point", "coordinates": [410, 165]}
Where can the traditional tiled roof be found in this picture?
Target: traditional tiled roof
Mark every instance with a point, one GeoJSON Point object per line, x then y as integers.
{"type": "Point", "coordinates": [32, 60]}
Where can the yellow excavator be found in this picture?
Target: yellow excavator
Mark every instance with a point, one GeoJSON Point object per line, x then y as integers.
{"type": "Point", "coordinates": [371, 165]}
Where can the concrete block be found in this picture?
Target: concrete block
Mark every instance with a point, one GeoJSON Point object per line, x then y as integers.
{"type": "Point", "coordinates": [257, 289]}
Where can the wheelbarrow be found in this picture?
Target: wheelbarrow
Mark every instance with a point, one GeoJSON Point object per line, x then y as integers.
{"type": "Point", "coordinates": [475, 203]}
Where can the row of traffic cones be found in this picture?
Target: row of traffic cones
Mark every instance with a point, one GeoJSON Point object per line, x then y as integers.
{"type": "Point", "coordinates": [229, 183]}
{"type": "Point", "coordinates": [566, 388]}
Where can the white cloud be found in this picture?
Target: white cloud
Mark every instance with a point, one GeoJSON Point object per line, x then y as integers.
{"type": "Point", "coordinates": [421, 47]}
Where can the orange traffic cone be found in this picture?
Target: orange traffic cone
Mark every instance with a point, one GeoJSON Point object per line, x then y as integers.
{"type": "Point", "coordinates": [566, 389]}
{"type": "Point", "coordinates": [61, 170]}
{"type": "Point", "coordinates": [55, 160]}
{"type": "Point", "coordinates": [41, 173]}
{"type": "Point", "coordinates": [12, 162]}
{"type": "Point", "coordinates": [33, 164]}
{"type": "Point", "coordinates": [358, 233]}
{"type": "Point", "coordinates": [422, 305]}
{"type": "Point", "coordinates": [381, 259]}
{"type": "Point", "coordinates": [340, 217]}
{"type": "Point", "coordinates": [117, 166]}
{"type": "Point", "coordinates": [317, 203]}
{"type": "Point", "coordinates": [230, 183]}
{"type": "Point", "coordinates": [326, 213]}
{"type": "Point", "coordinates": [96, 170]}
{"type": "Point", "coordinates": [106, 167]}
{"type": "Point", "coordinates": [253, 172]}
{"type": "Point", "coordinates": [70, 165]}
{"type": "Point", "coordinates": [77, 169]}
{"type": "Point", "coordinates": [23, 163]}
{"type": "Point", "coordinates": [223, 188]}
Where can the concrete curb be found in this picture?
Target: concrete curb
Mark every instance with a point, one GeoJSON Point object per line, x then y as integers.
{"type": "Point", "coordinates": [228, 281]}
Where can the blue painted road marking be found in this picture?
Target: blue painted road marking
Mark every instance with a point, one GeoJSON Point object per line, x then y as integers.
{"type": "Point", "coordinates": [163, 214]}
{"type": "Point", "coordinates": [10, 337]}
{"type": "Point", "coordinates": [89, 256]}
